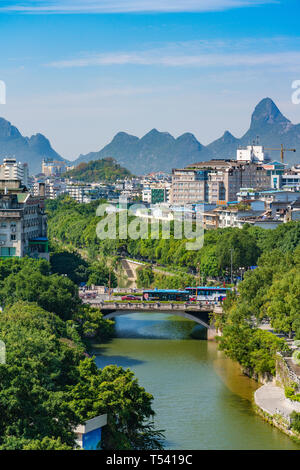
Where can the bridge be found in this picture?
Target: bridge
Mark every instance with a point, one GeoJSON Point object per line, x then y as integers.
{"type": "Point", "coordinates": [198, 313]}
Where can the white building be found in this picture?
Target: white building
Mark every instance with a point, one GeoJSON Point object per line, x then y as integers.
{"type": "Point", "coordinates": [52, 188]}
{"type": "Point", "coordinates": [11, 170]}
{"type": "Point", "coordinates": [251, 153]}
{"type": "Point", "coordinates": [23, 222]}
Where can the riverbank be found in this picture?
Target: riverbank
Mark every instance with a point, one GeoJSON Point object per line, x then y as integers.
{"type": "Point", "coordinates": [275, 408]}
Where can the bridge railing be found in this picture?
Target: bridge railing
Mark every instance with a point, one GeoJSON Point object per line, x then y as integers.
{"type": "Point", "coordinates": [149, 306]}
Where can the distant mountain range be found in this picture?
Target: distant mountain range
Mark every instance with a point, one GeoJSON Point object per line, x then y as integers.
{"type": "Point", "coordinates": [25, 149]}
{"type": "Point", "coordinates": [160, 150]}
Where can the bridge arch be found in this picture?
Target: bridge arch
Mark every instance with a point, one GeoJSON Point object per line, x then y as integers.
{"type": "Point", "coordinates": [190, 316]}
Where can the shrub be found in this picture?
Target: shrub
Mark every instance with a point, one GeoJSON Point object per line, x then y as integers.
{"type": "Point", "coordinates": [295, 417]}
{"type": "Point", "coordinates": [296, 357]}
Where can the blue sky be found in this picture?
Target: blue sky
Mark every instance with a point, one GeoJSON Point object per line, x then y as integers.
{"type": "Point", "coordinates": [80, 71]}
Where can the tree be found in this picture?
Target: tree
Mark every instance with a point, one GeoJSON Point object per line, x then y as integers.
{"type": "Point", "coordinates": [284, 303]}
{"type": "Point", "coordinates": [145, 276]}
{"type": "Point", "coordinates": [92, 325]}
{"type": "Point", "coordinates": [39, 366]}
{"type": "Point", "coordinates": [54, 293]}
{"type": "Point", "coordinates": [70, 264]}
{"type": "Point", "coordinates": [241, 246]}
{"type": "Point", "coordinates": [102, 275]}
{"type": "Point", "coordinates": [48, 387]}
{"type": "Point", "coordinates": [116, 391]}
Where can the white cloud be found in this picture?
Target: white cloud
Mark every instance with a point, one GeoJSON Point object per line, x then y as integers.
{"type": "Point", "coordinates": [126, 6]}
{"type": "Point", "coordinates": [157, 57]}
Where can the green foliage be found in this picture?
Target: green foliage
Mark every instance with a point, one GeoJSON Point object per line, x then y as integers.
{"type": "Point", "coordinates": [106, 169]}
{"type": "Point", "coordinates": [54, 293]}
{"type": "Point", "coordinates": [271, 291]}
{"type": "Point", "coordinates": [47, 443]}
{"type": "Point", "coordinates": [245, 251]}
{"type": "Point", "coordinates": [71, 264]}
{"type": "Point", "coordinates": [75, 224]}
{"type": "Point", "coordinates": [39, 366]}
{"type": "Point", "coordinates": [295, 418]}
{"type": "Point", "coordinates": [101, 275]}
{"type": "Point", "coordinates": [253, 348]}
{"type": "Point", "coordinates": [48, 387]}
{"type": "Point", "coordinates": [296, 357]}
{"type": "Point", "coordinates": [145, 277]}
{"type": "Point", "coordinates": [91, 324]}
{"type": "Point", "coordinates": [116, 389]}
{"type": "Point", "coordinates": [290, 393]}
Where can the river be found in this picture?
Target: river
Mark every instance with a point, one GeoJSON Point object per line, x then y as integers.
{"type": "Point", "coordinates": [201, 399]}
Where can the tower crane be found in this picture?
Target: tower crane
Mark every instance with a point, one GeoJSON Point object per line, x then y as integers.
{"type": "Point", "coordinates": [282, 150]}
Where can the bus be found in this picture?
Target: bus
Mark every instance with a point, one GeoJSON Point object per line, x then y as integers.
{"type": "Point", "coordinates": [210, 294]}
{"type": "Point", "coordinates": [166, 295]}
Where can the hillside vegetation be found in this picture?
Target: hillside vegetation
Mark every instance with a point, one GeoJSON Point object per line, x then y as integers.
{"type": "Point", "coordinates": [106, 169]}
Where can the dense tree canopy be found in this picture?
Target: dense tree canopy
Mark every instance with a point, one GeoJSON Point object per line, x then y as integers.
{"type": "Point", "coordinates": [106, 169]}
{"type": "Point", "coordinates": [75, 224]}
{"type": "Point", "coordinates": [48, 387]}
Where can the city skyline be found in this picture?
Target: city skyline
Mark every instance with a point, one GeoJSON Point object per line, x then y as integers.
{"type": "Point", "coordinates": [79, 72]}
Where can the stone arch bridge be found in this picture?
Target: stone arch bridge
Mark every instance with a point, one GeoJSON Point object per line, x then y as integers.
{"type": "Point", "coordinates": [199, 313]}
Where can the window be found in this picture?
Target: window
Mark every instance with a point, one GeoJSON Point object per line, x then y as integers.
{"type": "Point", "coordinates": [13, 237]}
{"type": "Point", "coordinates": [7, 251]}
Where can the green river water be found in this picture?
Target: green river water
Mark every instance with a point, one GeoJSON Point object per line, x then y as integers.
{"type": "Point", "coordinates": [201, 399]}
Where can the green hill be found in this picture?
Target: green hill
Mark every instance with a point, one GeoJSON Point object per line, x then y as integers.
{"type": "Point", "coordinates": [106, 169]}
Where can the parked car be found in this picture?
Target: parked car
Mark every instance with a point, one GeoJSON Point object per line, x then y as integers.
{"type": "Point", "coordinates": [130, 297]}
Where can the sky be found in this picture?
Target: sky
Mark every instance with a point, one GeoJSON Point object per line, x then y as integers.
{"type": "Point", "coordinates": [81, 71]}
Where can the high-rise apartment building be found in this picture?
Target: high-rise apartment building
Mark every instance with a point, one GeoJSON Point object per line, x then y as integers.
{"type": "Point", "coordinates": [23, 222]}
{"type": "Point", "coordinates": [216, 181]}
{"type": "Point", "coordinates": [13, 170]}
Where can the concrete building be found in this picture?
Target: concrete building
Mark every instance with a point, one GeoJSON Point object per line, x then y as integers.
{"type": "Point", "coordinates": [156, 193]}
{"type": "Point", "coordinates": [53, 187]}
{"type": "Point", "coordinates": [189, 185]}
{"type": "Point", "coordinates": [52, 167]}
{"type": "Point", "coordinates": [293, 211]}
{"type": "Point", "coordinates": [216, 181]}
{"type": "Point", "coordinates": [251, 153]}
{"type": "Point", "coordinates": [85, 193]}
{"type": "Point", "coordinates": [13, 170]}
{"type": "Point", "coordinates": [23, 222]}
{"type": "Point", "coordinates": [233, 216]}
{"type": "Point", "coordinates": [286, 180]}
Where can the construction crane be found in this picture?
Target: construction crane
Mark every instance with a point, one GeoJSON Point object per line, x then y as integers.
{"type": "Point", "coordinates": [282, 150]}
